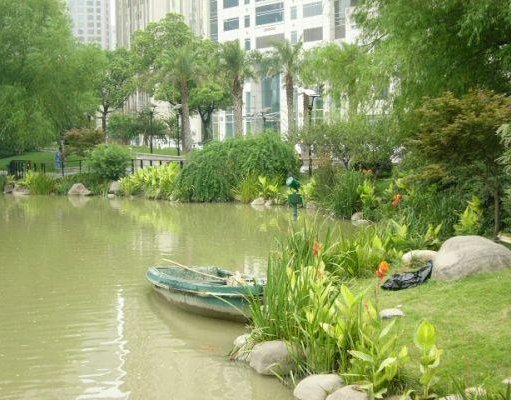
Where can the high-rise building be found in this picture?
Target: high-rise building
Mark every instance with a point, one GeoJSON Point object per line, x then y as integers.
{"type": "Point", "coordinates": [91, 21]}
{"type": "Point", "coordinates": [259, 23]}
{"type": "Point", "coordinates": [133, 15]}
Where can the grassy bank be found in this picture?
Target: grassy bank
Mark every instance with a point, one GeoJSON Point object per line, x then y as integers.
{"type": "Point", "coordinates": [473, 319]}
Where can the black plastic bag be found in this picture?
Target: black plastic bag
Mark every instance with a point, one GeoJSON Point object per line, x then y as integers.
{"type": "Point", "coordinates": [409, 279]}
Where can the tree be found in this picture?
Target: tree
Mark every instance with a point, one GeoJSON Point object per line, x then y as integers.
{"type": "Point", "coordinates": [80, 141]}
{"type": "Point", "coordinates": [45, 76]}
{"type": "Point", "coordinates": [286, 59]}
{"type": "Point", "coordinates": [428, 47]}
{"type": "Point", "coordinates": [169, 54]}
{"type": "Point", "coordinates": [126, 127]}
{"type": "Point", "coordinates": [238, 65]}
{"type": "Point", "coordinates": [123, 127]}
{"type": "Point", "coordinates": [115, 83]}
{"type": "Point", "coordinates": [459, 134]}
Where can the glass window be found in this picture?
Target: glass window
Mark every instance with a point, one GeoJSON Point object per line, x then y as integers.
{"type": "Point", "coordinates": [270, 92]}
{"type": "Point", "coordinates": [294, 37]}
{"type": "Point", "coordinates": [247, 44]}
{"type": "Point", "coordinates": [213, 20]}
{"type": "Point", "coordinates": [312, 9]}
{"type": "Point", "coordinates": [230, 3]}
{"type": "Point", "coordinates": [293, 12]}
{"type": "Point", "coordinates": [247, 21]}
{"type": "Point", "coordinates": [313, 34]}
{"type": "Point", "coordinates": [229, 123]}
{"type": "Point", "coordinates": [231, 24]}
{"type": "Point", "coordinates": [270, 14]}
{"type": "Point", "coordinates": [267, 41]}
{"type": "Point", "coordinates": [340, 7]}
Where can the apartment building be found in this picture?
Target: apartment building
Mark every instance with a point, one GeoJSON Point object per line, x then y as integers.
{"type": "Point", "coordinates": [259, 23]}
{"type": "Point", "coordinates": [91, 21]}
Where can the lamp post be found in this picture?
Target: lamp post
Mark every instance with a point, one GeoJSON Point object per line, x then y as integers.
{"type": "Point", "coordinates": [177, 110]}
{"type": "Point", "coordinates": [310, 106]}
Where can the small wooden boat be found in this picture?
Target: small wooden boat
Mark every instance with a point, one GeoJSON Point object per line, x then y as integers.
{"type": "Point", "coordinates": [205, 290]}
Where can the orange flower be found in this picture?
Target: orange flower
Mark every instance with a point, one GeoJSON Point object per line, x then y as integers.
{"type": "Point", "coordinates": [316, 248]}
{"type": "Point", "coordinates": [367, 171]}
{"type": "Point", "coordinates": [382, 270]}
{"type": "Point", "coordinates": [396, 200]}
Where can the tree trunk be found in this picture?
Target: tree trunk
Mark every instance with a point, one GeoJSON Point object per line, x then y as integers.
{"type": "Point", "coordinates": [104, 116]}
{"type": "Point", "coordinates": [237, 91]}
{"type": "Point", "coordinates": [496, 215]}
{"type": "Point", "coordinates": [305, 110]}
{"type": "Point", "coordinates": [206, 120]}
{"type": "Point", "coordinates": [185, 118]}
{"type": "Point", "coordinates": [290, 103]}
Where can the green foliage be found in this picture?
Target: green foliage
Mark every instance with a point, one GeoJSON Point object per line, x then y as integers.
{"type": "Point", "coordinates": [109, 162]}
{"type": "Point", "coordinates": [96, 184]}
{"type": "Point", "coordinates": [38, 183]}
{"type": "Point", "coordinates": [368, 197]}
{"type": "Point", "coordinates": [425, 340]}
{"type": "Point", "coordinates": [3, 182]}
{"type": "Point", "coordinates": [80, 141]}
{"type": "Point", "coordinates": [471, 219]}
{"type": "Point", "coordinates": [211, 174]}
{"type": "Point", "coordinates": [344, 198]}
{"type": "Point", "coordinates": [248, 189]}
{"type": "Point", "coordinates": [153, 182]}
{"type": "Point", "coordinates": [123, 127]}
{"type": "Point", "coordinates": [269, 188]}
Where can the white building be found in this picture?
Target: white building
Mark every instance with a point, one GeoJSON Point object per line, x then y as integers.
{"type": "Point", "coordinates": [258, 23]}
{"type": "Point", "coordinates": [91, 21]}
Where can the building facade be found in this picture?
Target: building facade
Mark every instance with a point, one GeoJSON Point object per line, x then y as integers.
{"type": "Point", "coordinates": [91, 21]}
{"type": "Point", "coordinates": [259, 23]}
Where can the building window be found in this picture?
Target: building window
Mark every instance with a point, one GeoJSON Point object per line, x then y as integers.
{"type": "Point", "coordinates": [231, 24]}
{"type": "Point", "coordinates": [270, 14]}
{"type": "Point", "coordinates": [313, 34]}
{"type": "Point", "coordinates": [248, 110]}
{"type": "Point", "coordinates": [294, 37]}
{"type": "Point", "coordinates": [230, 3]}
{"type": "Point", "coordinates": [267, 41]}
{"type": "Point", "coordinates": [213, 20]}
{"type": "Point", "coordinates": [247, 1]}
{"type": "Point", "coordinates": [247, 44]}
{"type": "Point", "coordinates": [270, 102]}
{"type": "Point", "coordinates": [229, 122]}
{"type": "Point", "coordinates": [312, 9]}
{"type": "Point", "coordinates": [247, 21]}
{"type": "Point", "coordinates": [294, 12]}
{"type": "Point", "coordinates": [340, 7]}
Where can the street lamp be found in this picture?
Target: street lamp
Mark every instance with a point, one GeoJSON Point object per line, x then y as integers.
{"type": "Point", "coordinates": [310, 106]}
{"type": "Point", "coordinates": [177, 110]}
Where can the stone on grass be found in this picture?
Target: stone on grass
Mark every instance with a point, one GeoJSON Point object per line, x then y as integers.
{"type": "Point", "coordinates": [463, 256]}
{"type": "Point", "coordinates": [507, 381]}
{"type": "Point", "coordinates": [258, 202]}
{"type": "Point", "coordinates": [115, 187]}
{"type": "Point", "coordinates": [389, 313]}
{"type": "Point", "coordinates": [361, 222]}
{"type": "Point", "coordinates": [418, 255]}
{"type": "Point", "coordinates": [269, 203]}
{"type": "Point", "coordinates": [359, 215]}
{"type": "Point", "coordinates": [317, 387]}
{"type": "Point", "coordinates": [8, 188]}
{"type": "Point", "coordinates": [478, 391]}
{"type": "Point", "coordinates": [110, 196]}
{"type": "Point", "coordinates": [350, 392]}
{"type": "Point", "coordinates": [78, 189]}
{"type": "Point", "coordinates": [273, 357]}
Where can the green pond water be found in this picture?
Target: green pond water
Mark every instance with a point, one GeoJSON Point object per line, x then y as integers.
{"type": "Point", "coordinates": [79, 321]}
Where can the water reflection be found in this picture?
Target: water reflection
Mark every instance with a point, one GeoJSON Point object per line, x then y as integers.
{"type": "Point", "coordinates": [80, 322]}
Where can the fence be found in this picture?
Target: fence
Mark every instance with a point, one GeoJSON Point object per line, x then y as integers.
{"type": "Point", "coordinates": [19, 168]}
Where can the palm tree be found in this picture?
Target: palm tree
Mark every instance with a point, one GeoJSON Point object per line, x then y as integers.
{"type": "Point", "coordinates": [238, 65]}
{"type": "Point", "coordinates": [286, 59]}
{"type": "Point", "coordinates": [180, 66]}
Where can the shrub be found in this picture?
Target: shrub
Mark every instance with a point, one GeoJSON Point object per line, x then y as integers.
{"type": "Point", "coordinates": [109, 161]}
{"type": "Point", "coordinates": [247, 190]}
{"type": "Point", "coordinates": [471, 219]}
{"type": "Point", "coordinates": [80, 141]}
{"type": "Point", "coordinates": [94, 183]}
{"type": "Point", "coordinates": [211, 174]}
{"type": "Point", "coordinates": [3, 182]}
{"type": "Point", "coordinates": [344, 198]}
{"type": "Point", "coordinates": [154, 182]}
{"type": "Point", "coordinates": [38, 183]}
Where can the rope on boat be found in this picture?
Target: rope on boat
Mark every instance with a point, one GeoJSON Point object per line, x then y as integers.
{"type": "Point", "coordinates": [195, 271]}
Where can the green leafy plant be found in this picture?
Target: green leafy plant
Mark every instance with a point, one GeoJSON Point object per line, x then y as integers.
{"type": "Point", "coordinates": [38, 183]}
{"type": "Point", "coordinates": [109, 161]}
{"type": "Point", "coordinates": [470, 221]}
{"type": "Point", "coordinates": [247, 190]}
{"type": "Point", "coordinates": [156, 182]}
{"type": "Point", "coordinates": [343, 199]}
{"type": "Point", "coordinates": [269, 188]}
{"type": "Point", "coordinates": [425, 340]}
{"type": "Point", "coordinates": [80, 141]}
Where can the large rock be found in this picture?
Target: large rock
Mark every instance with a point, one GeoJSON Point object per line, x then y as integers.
{"type": "Point", "coordinates": [317, 387]}
{"type": "Point", "coordinates": [418, 255]}
{"type": "Point", "coordinates": [79, 190]}
{"type": "Point", "coordinates": [359, 215]}
{"type": "Point", "coordinates": [273, 357]}
{"type": "Point", "coordinates": [350, 392]}
{"type": "Point", "coordinates": [115, 187]}
{"type": "Point", "coordinates": [258, 202]}
{"type": "Point", "coordinates": [462, 256]}
{"type": "Point", "coordinates": [20, 190]}
{"type": "Point", "coordinates": [8, 188]}
{"type": "Point", "coordinates": [241, 348]}
{"type": "Point", "coordinates": [390, 313]}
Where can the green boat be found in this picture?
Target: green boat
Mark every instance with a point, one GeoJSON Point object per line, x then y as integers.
{"type": "Point", "coordinates": [205, 290]}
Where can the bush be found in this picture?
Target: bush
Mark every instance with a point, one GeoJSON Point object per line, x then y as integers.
{"type": "Point", "coordinates": [38, 183]}
{"type": "Point", "coordinates": [94, 183]}
{"type": "Point", "coordinates": [211, 174]}
{"type": "Point", "coordinates": [154, 182]}
{"type": "Point", "coordinates": [109, 161]}
{"type": "Point", "coordinates": [80, 141]}
{"type": "Point", "coordinates": [247, 190]}
{"type": "Point", "coordinates": [344, 198]}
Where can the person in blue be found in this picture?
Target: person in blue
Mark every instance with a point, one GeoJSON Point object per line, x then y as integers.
{"type": "Point", "coordinates": [58, 159]}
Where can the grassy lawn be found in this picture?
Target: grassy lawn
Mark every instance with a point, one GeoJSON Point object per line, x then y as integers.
{"type": "Point", "coordinates": [473, 320]}
{"type": "Point", "coordinates": [145, 149]}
